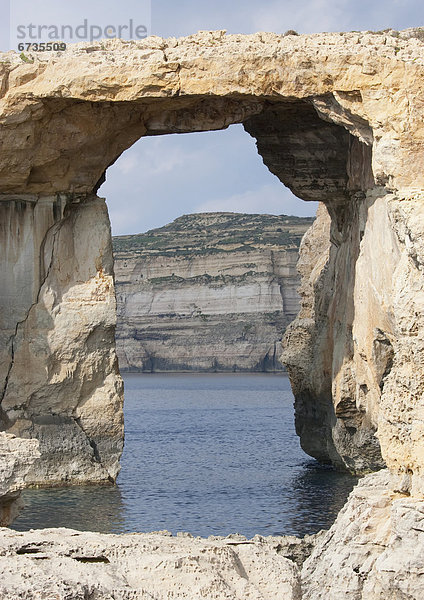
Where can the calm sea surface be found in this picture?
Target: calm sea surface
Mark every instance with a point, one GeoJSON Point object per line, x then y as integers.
{"type": "Point", "coordinates": [208, 454]}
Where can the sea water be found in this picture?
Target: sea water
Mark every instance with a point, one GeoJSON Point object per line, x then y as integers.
{"type": "Point", "coordinates": [204, 453]}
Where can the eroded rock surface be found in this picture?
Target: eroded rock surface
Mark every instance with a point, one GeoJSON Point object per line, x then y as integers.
{"type": "Point", "coordinates": [67, 564]}
{"type": "Point", "coordinates": [357, 344]}
{"type": "Point", "coordinates": [16, 458]}
{"type": "Point", "coordinates": [337, 117]}
{"type": "Point", "coordinates": [374, 550]}
{"type": "Point", "coordinates": [208, 292]}
{"type": "Point", "coordinates": [59, 370]}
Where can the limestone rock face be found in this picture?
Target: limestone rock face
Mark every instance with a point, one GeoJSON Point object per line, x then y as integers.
{"type": "Point", "coordinates": [336, 416]}
{"type": "Point", "coordinates": [356, 346]}
{"type": "Point", "coordinates": [78, 110]}
{"type": "Point", "coordinates": [16, 458]}
{"type": "Point", "coordinates": [67, 564]}
{"type": "Point", "coordinates": [58, 365]}
{"type": "Point", "coordinates": [337, 117]}
{"type": "Point", "coordinates": [208, 292]}
{"type": "Point", "coordinates": [373, 551]}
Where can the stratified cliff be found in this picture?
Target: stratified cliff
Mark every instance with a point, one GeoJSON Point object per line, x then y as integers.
{"type": "Point", "coordinates": [208, 292]}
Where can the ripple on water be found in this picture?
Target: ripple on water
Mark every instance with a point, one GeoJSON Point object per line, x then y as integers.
{"type": "Point", "coordinates": [209, 454]}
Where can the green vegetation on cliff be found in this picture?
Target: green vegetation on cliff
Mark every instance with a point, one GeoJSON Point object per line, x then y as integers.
{"type": "Point", "coordinates": [209, 233]}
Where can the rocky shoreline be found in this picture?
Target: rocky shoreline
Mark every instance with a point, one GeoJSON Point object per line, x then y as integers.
{"type": "Point", "coordinates": [62, 563]}
{"type": "Point", "coordinates": [370, 553]}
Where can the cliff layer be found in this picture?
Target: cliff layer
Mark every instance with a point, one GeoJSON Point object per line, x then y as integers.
{"type": "Point", "coordinates": [208, 292]}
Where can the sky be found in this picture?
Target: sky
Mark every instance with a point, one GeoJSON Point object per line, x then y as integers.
{"type": "Point", "coordinates": [160, 178]}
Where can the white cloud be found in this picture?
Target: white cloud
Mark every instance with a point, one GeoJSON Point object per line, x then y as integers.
{"type": "Point", "coordinates": [126, 163]}
{"type": "Point", "coordinates": [151, 157]}
{"type": "Point", "coordinates": [164, 160]}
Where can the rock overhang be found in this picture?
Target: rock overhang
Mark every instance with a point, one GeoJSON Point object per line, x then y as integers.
{"type": "Point", "coordinates": [91, 102]}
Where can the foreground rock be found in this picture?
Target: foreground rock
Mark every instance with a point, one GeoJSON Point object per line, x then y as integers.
{"type": "Point", "coordinates": [66, 564]}
{"type": "Point", "coordinates": [208, 292]}
{"type": "Point", "coordinates": [16, 458]}
{"type": "Point", "coordinates": [375, 549]}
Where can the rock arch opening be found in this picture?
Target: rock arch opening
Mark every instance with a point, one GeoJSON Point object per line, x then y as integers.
{"type": "Point", "coordinates": [317, 159]}
{"type": "Point", "coordinates": [315, 121]}
{"type": "Point", "coordinates": [214, 290]}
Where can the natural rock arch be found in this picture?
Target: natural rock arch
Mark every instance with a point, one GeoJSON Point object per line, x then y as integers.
{"type": "Point", "coordinates": [337, 118]}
